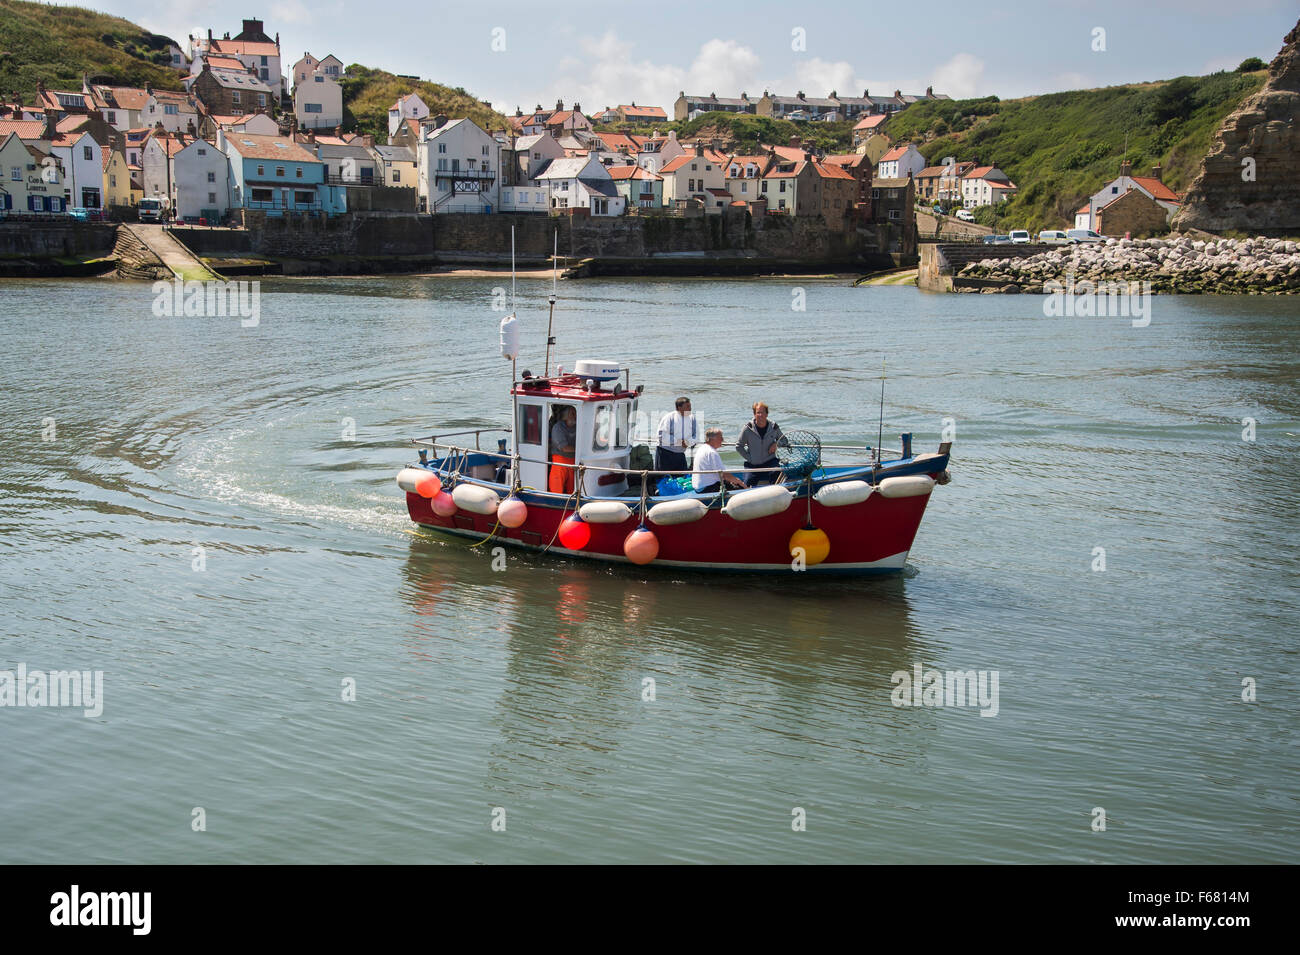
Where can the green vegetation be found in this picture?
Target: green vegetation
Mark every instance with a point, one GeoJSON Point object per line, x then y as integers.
{"type": "Point", "coordinates": [1061, 147]}
{"type": "Point", "coordinates": [1251, 64]}
{"type": "Point", "coordinates": [58, 44]}
{"type": "Point", "coordinates": [367, 95]}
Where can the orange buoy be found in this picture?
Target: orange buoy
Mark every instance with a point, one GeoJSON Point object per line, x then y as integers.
{"type": "Point", "coordinates": [641, 546]}
{"type": "Point", "coordinates": [444, 505]}
{"type": "Point", "coordinates": [428, 485]}
{"type": "Point", "coordinates": [512, 512]}
{"type": "Point", "coordinates": [575, 533]}
{"type": "Point", "coordinates": [815, 544]}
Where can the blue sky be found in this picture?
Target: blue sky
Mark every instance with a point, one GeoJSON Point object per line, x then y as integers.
{"type": "Point", "coordinates": [609, 53]}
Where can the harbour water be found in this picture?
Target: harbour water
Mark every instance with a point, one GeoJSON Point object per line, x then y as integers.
{"type": "Point", "coordinates": [206, 513]}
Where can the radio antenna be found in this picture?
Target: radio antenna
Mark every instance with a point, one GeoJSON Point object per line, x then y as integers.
{"type": "Point", "coordinates": [880, 432]}
{"type": "Point", "coordinates": [555, 267]}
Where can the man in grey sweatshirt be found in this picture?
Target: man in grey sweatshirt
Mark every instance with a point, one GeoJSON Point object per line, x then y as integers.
{"type": "Point", "coordinates": [758, 443]}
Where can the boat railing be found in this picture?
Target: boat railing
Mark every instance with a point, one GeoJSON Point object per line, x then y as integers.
{"type": "Point", "coordinates": [452, 450]}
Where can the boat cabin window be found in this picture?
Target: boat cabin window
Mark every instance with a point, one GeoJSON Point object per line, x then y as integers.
{"type": "Point", "coordinates": [530, 427]}
{"type": "Point", "coordinates": [610, 420]}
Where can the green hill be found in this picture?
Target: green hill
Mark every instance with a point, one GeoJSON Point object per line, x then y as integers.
{"type": "Point", "coordinates": [367, 95]}
{"type": "Point", "coordinates": [58, 44]}
{"type": "Point", "coordinates": [1061, 147]}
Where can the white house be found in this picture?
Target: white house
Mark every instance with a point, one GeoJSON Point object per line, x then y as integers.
{"type": "Point", "coordinates": [156, 162]}
{"type": "Point", "coordinates": [200, 182]}
{"type": "Point", "coordinates": [900, 162]}
{"type": "Point", "coordinates": [83, 168]}
{"type": "Point", "coordinates": [407, 107]}
{"type": "Point", "coordinates": [331, 66]}
{"type": "Point", "coordinates": [459, 168]}
{"type": "Point", "coordinates": [1152, 186]}
{"type": "Point", "coordinates": [582, 182]}
{"type": "Point", "coordinates": [176, 111]}
{"type": "Point", "coordinates": [318, 102]}
{"type": "Point", "coordinates": [532, 154]}
{"type": "Point", "coordinates": [985, 186]}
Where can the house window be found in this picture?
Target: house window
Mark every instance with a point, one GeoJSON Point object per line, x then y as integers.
{"type": "Point", "coordinates": [87, 153]}
{"type": "Point", "coordinates": [234, 96]}
{"type": "Point", "coordinates": [694, 167]}
{"type": "Point", "coordinates": [112, 181]}
{"type": "Point", "coordinates": [442, 147]}
{"type": "Point", "coordinates": [875, 193]}
{"type": "Point", "coordinates": [895, 214]}
{"type": "Point", "coordinates": [279, 170]}
{"type": "Point", "coordinates": [311, 107]}
{"type": "Point", "coordinates": [485, 150]}
{"type": "Point", "coordinates": [212, 177]}
{"type": "Point", "coordinates": [201, 151]}
{"type": "Point", "coordinates": [319, 79]}
{"type": "Point", "coordinates": [744, 187]}
{"type": "Point", "coordinates": [112, 116]}
{"type": "Point", "coordinates": [261, 99]}
{"type": "Point", "coordinates": [261, 170]}
{"type": "Point", "coordinates": [264, 61]}
{"type": "Point", "coordinates": [212, 198]}
{"type": "Point", "coordinates": [304, 197]}
{"type": "Point", "coordinates": [397, 175]}
{"type": "Point", "coordinates": [1114, 189]}
{"type": "Point", "coordinates": [764, 187]}
{"type": "Point", "coordinates": [783, 185]}
{"type": "Point", "coordinates": [298, 172]}
{"type": "Point", "coordinates": [263, 195]}
{"type": "Point", "coordinates": [171, 110]}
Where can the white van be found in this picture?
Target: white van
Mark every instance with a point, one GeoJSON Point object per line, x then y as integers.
{"type": "Point", "coordinates": [1084, 235]}
{"type": "Point", "coordinates": [1019, 236]}
{"type": "Point", "coordinates": [1053, 236]}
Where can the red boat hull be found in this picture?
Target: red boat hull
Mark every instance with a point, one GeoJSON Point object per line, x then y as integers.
{"type": "Point", "coordinates": [874, 535]}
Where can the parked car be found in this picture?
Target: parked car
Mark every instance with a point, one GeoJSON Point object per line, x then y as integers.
{"type": "Point", "coordinates": [996, 240]}
{"type": "Point", "coordinates": [965, 215]}
{"type": "Point", "coordinates": [1019, 236]}
{"type": "Point", "coordinates": [1084, 235]}
{"type": "Point", "coordinates": [1053, 236]}
{"type": "Point", "coordinates": [79, 212]}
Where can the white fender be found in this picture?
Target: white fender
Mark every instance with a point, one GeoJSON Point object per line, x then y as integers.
{"type": "Point", "coordinates": [475, 499]}
{"type": "Point", "coordinates": [677, 512]}
{"type": "Point", "coordinates": [843, 493]}
{"type": "Point", "coordinates": [407, 477]}
{"type": "Point", "coordinates": [605, 512]}
{"type": "Point", "coordinates": [914, 485]}
{"type": "Point", "coordinates": [757, 502]}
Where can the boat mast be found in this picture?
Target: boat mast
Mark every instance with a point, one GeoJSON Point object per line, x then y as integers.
{"type": "Point", "coordinates": [880, 432]}
{"type": "Point", "coordinates": [550, 339]}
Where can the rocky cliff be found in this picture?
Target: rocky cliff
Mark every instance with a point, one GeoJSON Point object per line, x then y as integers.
{"type": "Point", "coordinates": [1250, 181]}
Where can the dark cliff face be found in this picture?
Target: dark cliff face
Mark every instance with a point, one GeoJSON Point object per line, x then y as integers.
{"type": "Point", "coordinates": [1250, 181]}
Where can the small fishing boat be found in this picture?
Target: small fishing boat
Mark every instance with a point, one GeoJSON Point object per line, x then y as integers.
{"type": "Point", "coordinates": [606, 502]}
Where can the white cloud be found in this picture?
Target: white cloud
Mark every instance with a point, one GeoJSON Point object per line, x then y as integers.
{"type": "Point", "coordinates": [608, 74]}
{"type": "Point", "coordinates": [291, 11]}
{"type": "Point", "coordinates": [961, 77]}
{"type": "Point", "coordinates": [818, 77]}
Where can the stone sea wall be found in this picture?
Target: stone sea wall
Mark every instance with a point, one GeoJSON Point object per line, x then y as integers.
{"type": "Point", "coordinates": [1259, 266]}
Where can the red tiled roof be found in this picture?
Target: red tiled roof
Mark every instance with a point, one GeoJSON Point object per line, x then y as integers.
{"type": "Point", "coordinates": [618, 141]}
{"type": "Point", "coordinates": [644, 112]}
{"type": "Point", "coordinates": [1083, 208]}
{"type": "Point", "coordinates": [225, 63]}
{"type": "Point", "coordinates": [871, 122]}
{"type": "Point", "coordinates": [251, 146]}
{"type": "Point", "coordinates": [709, 156]}
{"type": "Point", "coordinates": [25, 128]}
{"type": "Point", "coordinates": [930, 172]}
{"type": "Point", "coordinates": [720, 193]}
{"type": "Point", "coordinates": [631, 172]}
{"type": "Point", "coordinates": [1156, 188]}
{"type": "Point", "coordinates": [246, 47]}
{"type": "Point", "coordinates": [832, 171]}
{"type": "Point", "coordinates": [896, 153]}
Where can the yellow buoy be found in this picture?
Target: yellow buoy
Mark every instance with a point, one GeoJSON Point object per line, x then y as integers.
{"type": "Point", "coordinates": [814, 542]}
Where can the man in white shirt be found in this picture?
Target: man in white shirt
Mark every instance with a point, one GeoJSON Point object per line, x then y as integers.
{"type": "Point", "coordinates": [708, 471]}
{"type": "Point", "coordinates": [677, 432]}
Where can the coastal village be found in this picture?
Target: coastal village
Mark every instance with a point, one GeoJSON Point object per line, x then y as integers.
{"type": "Point", "coordinates": [252, 140]}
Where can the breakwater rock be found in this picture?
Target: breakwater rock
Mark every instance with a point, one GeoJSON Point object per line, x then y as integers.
{"type": "Point", "coordinates": [1180, 265]}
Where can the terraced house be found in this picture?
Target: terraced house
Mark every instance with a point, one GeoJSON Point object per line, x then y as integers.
{"type": "Point", "coordinates": [275, 175]}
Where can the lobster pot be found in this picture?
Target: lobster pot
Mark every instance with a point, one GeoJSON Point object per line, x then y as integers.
{"type": "Point", "coordinates": [475, 499]}
{"type": "Point", "coordinates": [843, 493]}
{"type": "Point", "coordinates": [914, 485]}
{"type": "Point", "coordinates": [605, 512]}
{"type": "Point", "coordinates": [757, 502]}
{"type": "Point", "coordinates": [677, 512]}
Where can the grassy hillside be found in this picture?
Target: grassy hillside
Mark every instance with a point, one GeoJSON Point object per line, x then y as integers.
{"type": "Point", "coordinates": [368, 93]}
{"type": "Point", "coordinates": [748, 131]}
{"type": "Point", "coordinates": [58, 44]}
{"type": "Point", "coordinates": [1059, 148]}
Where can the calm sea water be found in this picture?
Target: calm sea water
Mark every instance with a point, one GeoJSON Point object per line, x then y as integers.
{"type": "Point", "coordinates": [522, 690]}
